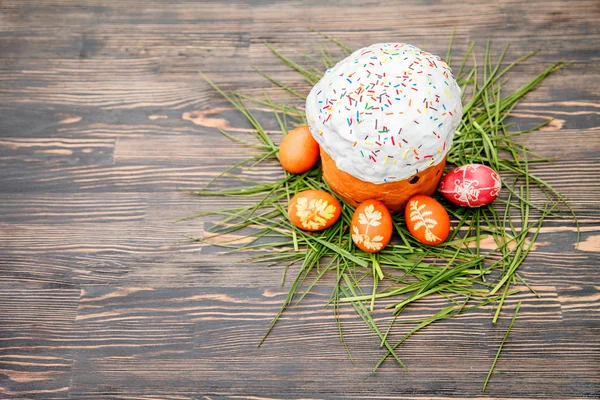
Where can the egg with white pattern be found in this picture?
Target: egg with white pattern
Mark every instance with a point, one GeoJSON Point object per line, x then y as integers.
{"type": "Point", "coordinates": [471, 185]}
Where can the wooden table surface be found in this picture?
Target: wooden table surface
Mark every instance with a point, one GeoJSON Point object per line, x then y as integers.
{"type": "Point", "coordinates": [103, 115]}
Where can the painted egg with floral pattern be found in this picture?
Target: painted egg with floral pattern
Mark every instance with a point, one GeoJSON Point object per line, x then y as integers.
{"type": "Point", "coordinates": [427, 220]}
{"type": "Point", "coordinates": [472, 185]}
{"type": "Point", "coordinates": [371, 226]}
{"type": "Point", "coordinates": [313, 210]}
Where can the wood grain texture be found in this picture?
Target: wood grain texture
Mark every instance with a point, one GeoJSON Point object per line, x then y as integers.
{"type": "Point", "coordinates": [103, 116]}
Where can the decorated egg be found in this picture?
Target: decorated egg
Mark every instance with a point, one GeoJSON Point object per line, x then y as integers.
{"type": "Point", "coordinates": [472, 185]}
{"type": "Point", "coordinates": [427, 220]}
{"type": "Point", "coordinates": [313, 210]}
{"type": "Point", "coordinates": [371, 226]}
{"type": "Point", "coordinates": [298, 151]}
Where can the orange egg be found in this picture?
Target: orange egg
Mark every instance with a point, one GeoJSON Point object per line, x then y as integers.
{"type": "Point", "coordinates": [371, 226]}
{"type": "Point", "coordinates": [427, 220]}
{"type": "Point", "coordinates": [298, 151]}
{"type": "Point", "coordinates": [314, 210]}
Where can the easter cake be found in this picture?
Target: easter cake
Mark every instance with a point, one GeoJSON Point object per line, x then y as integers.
{"type": "Point", "coordinates": [384, 118]}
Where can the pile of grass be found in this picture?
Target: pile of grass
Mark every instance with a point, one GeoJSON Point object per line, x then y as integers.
{"type": "Point", "coordinates": [464, 274]}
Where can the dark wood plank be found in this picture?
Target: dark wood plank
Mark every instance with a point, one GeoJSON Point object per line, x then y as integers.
{"type": "Point", "coordinates": [35, 322]}
{"type": "Point", "coordinates": [229, 323]}
{"type": "Point", "coordinates": [104, 116]}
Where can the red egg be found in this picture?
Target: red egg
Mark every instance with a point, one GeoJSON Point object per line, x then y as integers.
{"type": "Point", "coordinates": [371, 226]}
{"type": "Point", "coordinates": [427, 220]}
{"type": "Point", "coordinates": [472, 185]}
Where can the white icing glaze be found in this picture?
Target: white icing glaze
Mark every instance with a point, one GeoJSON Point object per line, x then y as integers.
{"type": "Point", "coordinates": [385, 112]}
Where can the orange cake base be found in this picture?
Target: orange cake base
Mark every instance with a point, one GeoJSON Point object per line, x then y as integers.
{"type": "Point", "coordinates": [394, 195]}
